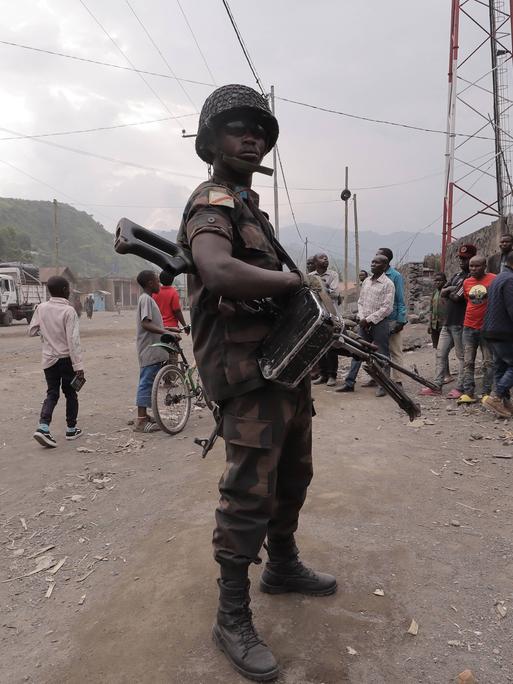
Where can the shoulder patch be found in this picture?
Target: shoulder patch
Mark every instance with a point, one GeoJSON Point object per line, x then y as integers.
{"type": "Point", "coordinates": [220, 199]}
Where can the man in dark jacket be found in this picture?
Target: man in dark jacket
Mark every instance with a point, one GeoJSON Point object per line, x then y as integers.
{"type": "Point", "coordinates": [452, 332]}
{"type": "Point", "coordinates": [497, 262]}
{"type": "Point", "coordinates": [498, 329]}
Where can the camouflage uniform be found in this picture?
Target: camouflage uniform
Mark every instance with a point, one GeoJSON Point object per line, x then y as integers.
{"type": "Point", "coordinates": [267, 429]}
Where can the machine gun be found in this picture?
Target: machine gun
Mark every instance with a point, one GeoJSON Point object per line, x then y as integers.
{"type": "Point", "coordinates": [350, 343]}
{"type": "Point", "coordinates": [134, 239]}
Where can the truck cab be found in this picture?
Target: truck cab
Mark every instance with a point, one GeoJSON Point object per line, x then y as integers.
{"type": "Point", "coordinates": [18, 298]}
{"type": "Point", "coordinates": [7, 298]}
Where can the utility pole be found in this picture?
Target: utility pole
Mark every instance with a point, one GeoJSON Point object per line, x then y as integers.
{"type": "Point", "coordinates": [275, 178]}
{"type": "Point", "coordinates": [344, 196]}
{"type": "Point", "coordinates": [356, 246]}
{"type": "Point", "coordinates": [306, 254]}
{"type": "Point", "coordinates": [56, 233]}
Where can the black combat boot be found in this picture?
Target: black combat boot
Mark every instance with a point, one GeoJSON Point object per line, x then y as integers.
{"type": "Point", "coordinates": [284, 573]}
{"type": "Point", "coordinates": [236, 636]}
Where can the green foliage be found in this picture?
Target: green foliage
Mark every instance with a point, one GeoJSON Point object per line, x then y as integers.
{"type": "Point", "coordinates": [27, 234]}
{"type": "Point", "coordinates": [14, 246]}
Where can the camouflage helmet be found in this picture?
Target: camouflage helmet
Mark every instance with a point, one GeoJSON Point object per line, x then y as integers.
{"type": "Point", "coordinates": [231, 100]}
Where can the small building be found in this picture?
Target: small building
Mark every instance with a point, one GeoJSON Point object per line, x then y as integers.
{"type": "Point", "coordinates": [46, 272]}
{"type": "Point", "coordinates": [111, 291]}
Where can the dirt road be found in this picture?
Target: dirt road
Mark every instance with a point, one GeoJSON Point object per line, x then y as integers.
{"type": "Point", "coordinates": [424, 514]}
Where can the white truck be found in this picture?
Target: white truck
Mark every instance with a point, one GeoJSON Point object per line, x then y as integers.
{"type": "Point", "coordinates": [20, 293]}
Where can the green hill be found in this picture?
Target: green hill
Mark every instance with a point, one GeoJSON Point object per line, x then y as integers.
{"type": "Point", "coordinates": [27, 233]}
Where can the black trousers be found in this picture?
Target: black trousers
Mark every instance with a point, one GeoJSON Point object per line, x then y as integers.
{"type": "Point", "coordinates": [328, 364]}
{"type": "Point", "coordinates": [60, 374]}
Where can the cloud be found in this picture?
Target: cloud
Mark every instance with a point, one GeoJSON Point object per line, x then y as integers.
{"type": "Point", "coordinates": [386, 60]}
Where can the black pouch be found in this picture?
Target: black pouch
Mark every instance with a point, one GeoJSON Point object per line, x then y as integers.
{"type": "Point", "coordinates": [78, 382]}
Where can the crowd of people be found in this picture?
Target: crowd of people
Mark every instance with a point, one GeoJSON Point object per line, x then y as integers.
{"type": "Point", "coordinates": [381, 318]}
{"type": "Point", "coordinates": [471, 312]}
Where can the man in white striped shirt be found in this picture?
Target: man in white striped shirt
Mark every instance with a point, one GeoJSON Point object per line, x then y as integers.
{"type": "Point", "coordinates": [376, 302]}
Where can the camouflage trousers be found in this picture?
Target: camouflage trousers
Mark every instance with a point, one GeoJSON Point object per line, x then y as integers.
{"type": "Point", "coordinates": [268, 436]}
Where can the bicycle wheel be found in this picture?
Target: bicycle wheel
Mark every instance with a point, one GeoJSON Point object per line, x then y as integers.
{"type": "Point", "coordinates": [170, 400]}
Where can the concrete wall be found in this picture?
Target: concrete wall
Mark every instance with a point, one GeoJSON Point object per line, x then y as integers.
{"type": "Point", "coordinates": [418, 276]}
{"type": "Point", "coordinates": [485, 239]}
{"type": "Point", "coordinates": [418, 286]}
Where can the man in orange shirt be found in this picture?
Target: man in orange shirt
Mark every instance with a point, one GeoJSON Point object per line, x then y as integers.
{"type": "Point", "coordinates": [168, 301]}
{"type": "Point", "coordinates": [475, 291]}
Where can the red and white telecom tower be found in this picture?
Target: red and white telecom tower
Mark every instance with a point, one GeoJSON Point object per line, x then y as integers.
{"type": "Point", "coordinates": [480, 69]}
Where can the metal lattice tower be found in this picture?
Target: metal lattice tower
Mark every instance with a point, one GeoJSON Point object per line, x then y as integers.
{"type": "Point", "coordinates": [500, 59]}
{"type": "Point", "coordinates": [479, 140]}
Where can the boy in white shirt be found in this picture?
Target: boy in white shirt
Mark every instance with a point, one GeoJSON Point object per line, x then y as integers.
{"type": "Point", "coordinates": [56, 322]}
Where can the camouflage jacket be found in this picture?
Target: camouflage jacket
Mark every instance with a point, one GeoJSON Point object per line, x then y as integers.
{"type": "Point", "coordinates": [225, 346]}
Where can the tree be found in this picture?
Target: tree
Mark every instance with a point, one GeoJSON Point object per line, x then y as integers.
{"type": "Point", "coordinates": [14, 246]}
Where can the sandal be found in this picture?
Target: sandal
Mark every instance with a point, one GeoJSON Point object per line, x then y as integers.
{"type": "Point", "coordinates": [147, 426]}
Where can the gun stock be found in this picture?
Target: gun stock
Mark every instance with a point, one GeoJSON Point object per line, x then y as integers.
{"type": "Point", "coordinates": [134, 239]}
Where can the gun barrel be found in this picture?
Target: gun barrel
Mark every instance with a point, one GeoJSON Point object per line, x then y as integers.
{"type": "Point", "coordinates": [365, 350]}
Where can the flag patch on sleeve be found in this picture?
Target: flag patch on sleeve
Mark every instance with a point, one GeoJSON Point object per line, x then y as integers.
{"type": "Point", "coordinates": [220, 199]}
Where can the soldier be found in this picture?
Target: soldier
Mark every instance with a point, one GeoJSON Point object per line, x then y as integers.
{"type": "Point", "coordinates": [266, 428]}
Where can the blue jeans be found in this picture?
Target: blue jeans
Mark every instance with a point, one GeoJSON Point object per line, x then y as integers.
{"type": "Point", "coordinates": [450, 336]}
{"type": "Point", "coordinates": [378, 334]}
{"type": "Point", "coordinates": [503, 362]}
{"type": "Point", "coordinates": [472, 341]}
{"type": "Point", "coordinates": [146, 377]}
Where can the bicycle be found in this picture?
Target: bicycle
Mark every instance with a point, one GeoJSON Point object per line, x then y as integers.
{"type": "Point", "coordinates": [175, 386]}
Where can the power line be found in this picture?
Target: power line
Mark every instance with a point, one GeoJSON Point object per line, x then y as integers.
{"type": "Point", "coordinates": [107, 64]}
{"type": "Point", "coordinates": [37, 180]}
{"type": "Point", "coordinates": [422, 230]}
{"type": "Point", "coordinates": [288, 194]}
{"type": "Point", "coordinates": [34, 136]}
{"type": "Point", "coordinates": [197, 44]}
{"type": "Point", "coordinates": [113, 160]}
{"type": "Point", "coordinates": [121, 51]}
{"type": "Point", "coordinates": [211, 85]}
{"type": "Point", "coordinates": [262, 90]}
{"type": "Point", "coordinates": [243, 46]}
{"type": "Point", "coordinates": [51, 187]}
{"type": "Point", "coordinates": [161, 54]}
{"type": "Point", "coordinates": [380, 121]}
{"type": "Point", "coordinates": [168, 118]}
{"type": "Point", "coordinates": [37, 136]}
{"type": "Point", "coordinates": [441, 215]}
{"type": "Point", "coordinates": [93, 130]}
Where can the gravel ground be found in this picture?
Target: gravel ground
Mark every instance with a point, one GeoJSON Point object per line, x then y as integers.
{"type": "Point", "coordinates": [422, 512]}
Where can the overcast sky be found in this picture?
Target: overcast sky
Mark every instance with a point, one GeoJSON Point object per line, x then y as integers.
{"type": "Point", "coordinates": [386, 60]}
